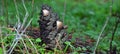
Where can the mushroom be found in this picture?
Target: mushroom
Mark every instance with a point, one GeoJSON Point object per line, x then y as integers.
{"type": "Point", "coordinates": [45, 12]}
{"type": "Point", "coordinates": [59, 24]}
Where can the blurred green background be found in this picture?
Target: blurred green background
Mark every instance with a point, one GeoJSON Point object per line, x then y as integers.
{"type": "Point", "coordinates": [83, 17]}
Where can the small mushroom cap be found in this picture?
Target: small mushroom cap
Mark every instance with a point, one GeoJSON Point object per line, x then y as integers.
{"type": "Point", "coordinates": [45, 12]}
{"type": "Point", "coordinates": [59, 24]}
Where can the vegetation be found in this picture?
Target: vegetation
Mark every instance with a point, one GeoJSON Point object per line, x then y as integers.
{"type": "Point", "coordinates": [85, 20]}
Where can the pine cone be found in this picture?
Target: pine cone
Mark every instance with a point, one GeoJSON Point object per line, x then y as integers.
{"type": "Point", "coordinates": [51, 28]}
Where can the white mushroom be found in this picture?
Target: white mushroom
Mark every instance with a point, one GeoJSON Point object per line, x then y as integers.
{"type": "Point", "coordinates": [45, 12]}
{"type": "Point", "coordinates": [59, 24]}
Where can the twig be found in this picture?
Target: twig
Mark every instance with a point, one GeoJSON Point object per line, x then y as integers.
{"type": "Point", "coordinates": [15, 41]}
{"type": "Point", "coordinates": [11, 46]}
{"type": "Point", "coordinates": [18, 36]}
{"type": "Point", "coordinates": [2, 42]}
{"type": "Point", "coordinates": [19, 28]}
{"type": "Point", "coordinates": [64, 10]}
{"type": "Point", "coordinates": [106, 22]}
{"type": "Point", "coordinates": [32, 13]}
{"type": "Point", "coordinates": [25, 46]}
{"type": "Point", "coordinates": [26, 15]}
{"type": "Point", "coordinates": [14, 44]}
{"type": "Point", "coordinates": [7, 19]}
{"type": "Point", "coordinates": [57, 44]}
{"type": "Point", "coordinates": [32, 44]}
{"type": "Point", "coordinates": [26, 26]}
{"type": "Point", "coordinates": [113, 33]}
{"type": "Point", "coordinates": [17, 11]}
